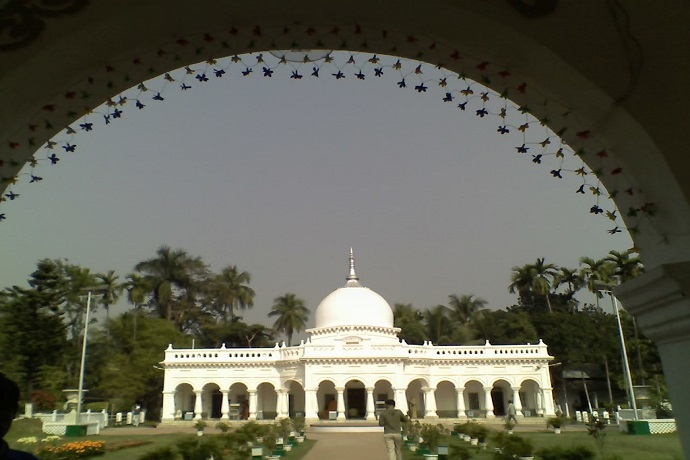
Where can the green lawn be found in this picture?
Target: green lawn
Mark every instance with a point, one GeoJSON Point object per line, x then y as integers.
{"type": "Point", "coordinates": [625, 446]}
{"type": "Point", "coordinates": [26, 428]}
{"type": "Point", "coordinates": [637, 447]}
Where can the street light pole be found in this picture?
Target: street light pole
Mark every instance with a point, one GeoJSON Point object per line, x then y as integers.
{"type": "Point", "coordinates": [83, 357]}
{"type": "Point", "coordinates": [603, 287]}
{"type": "Point", "coordinates": [82, 367]}
{"type": "Point", "coordinates": [626, 364]}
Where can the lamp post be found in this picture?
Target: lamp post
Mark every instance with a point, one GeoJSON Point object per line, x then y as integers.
{"type": "Point", "coordinates": [602, 287]}
{"type": "Point", "coordinates": [80, 391]}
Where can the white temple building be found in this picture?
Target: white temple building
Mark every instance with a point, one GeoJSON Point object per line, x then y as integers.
{"type": "Point", "coordinates": [350, 363]}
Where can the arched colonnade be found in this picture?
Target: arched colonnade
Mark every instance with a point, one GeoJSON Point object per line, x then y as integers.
{"type": "Point", "coordinates": [356, 398]}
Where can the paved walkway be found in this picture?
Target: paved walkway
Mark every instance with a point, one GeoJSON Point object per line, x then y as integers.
{"type": "Point", "coordinates": [347, 446]}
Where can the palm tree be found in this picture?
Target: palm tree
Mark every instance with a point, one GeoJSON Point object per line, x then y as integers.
{"type": "Point", "coordinates": [625, 265]}
{"type": "Point", "coordinates": [438, 325]}
{"type": "Point", "coordinates": [168, 274]}
{"type": "Point", "coordinates": [292, 315]}
{"type": "Point", "coordinates": [593, 271]}
{"type": "Point", "coordinates": [410, 321]}
{"type": "Point", "coordinates": [464, 308]}
{"type": "Point", "coordinates": [230, 291]}
{"type": "Point", "coordinates": [536, 278]}
{"type": "Point", "coordinates": [110, 291]}
{"type": "Point", "coordinates": [136, 288]}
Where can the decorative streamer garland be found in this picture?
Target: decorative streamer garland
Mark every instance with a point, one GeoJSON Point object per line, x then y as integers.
{"type": "Point", "coordinates": [530, 126]}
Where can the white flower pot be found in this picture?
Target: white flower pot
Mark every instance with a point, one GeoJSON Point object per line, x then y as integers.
{"type": "Point", "coordinates": [300, 439]}
{"type": "Point", "coordinates": [474, 441]}
{"type": "Point", "coordinates": [431, 456]}
{"type": "Point", "coordinates": [557, 430]}
{"type": "Point", "coordinates": [200, 433]}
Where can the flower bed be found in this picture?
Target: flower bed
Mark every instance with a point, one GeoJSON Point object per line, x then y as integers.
{"type": "Point", "coordinates": [71, 450]}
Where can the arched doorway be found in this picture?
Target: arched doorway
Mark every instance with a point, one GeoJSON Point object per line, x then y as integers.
{"type": "Point", "coordinates": [474, 399]}
{"type": "Point", "coordinates": [446, 400]}
{"type": "Point", "coordinates": [416, 397]}
{"type": "Point", "coordinates": [355, 400]}
{"type": "Point", "coordinates": [238, 399]}
{"type": "Point", "coordinates": [327, 400]}
{"type": "Point", "coordinates": [212, 401]}
{"type": "Point", "coordinates": [296, 399]}
{"type": "Point", "coordinates": [184, 401]}
{"type": "Point", "coordinates": [530, 398]}
{"type": "Point", "coordinates": [500, 395]}
{"type": "Point", "coordinates": [266, 402]}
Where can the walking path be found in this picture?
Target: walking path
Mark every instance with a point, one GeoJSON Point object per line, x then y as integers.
{"type": "Point", "coordinates": [346, 446]}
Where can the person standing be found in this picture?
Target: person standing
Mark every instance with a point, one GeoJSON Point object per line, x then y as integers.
{"type": "Point", "coordinates": [391, 419]}
{"type": "Point", "coordinates": [512, 413]}
{"type": "Point", "coordinates": [9, 405]}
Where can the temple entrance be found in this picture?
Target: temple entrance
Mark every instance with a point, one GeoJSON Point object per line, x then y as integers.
{"type": "Point", "coordinates": [356, 403]}
{"type": "Point", "coordinates": [497, 398]}
{"type": "Point", "coordinates": [216, 404]}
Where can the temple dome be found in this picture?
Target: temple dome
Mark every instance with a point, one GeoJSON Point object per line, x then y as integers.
{"type": "Point", "coordinates": [353, 305]}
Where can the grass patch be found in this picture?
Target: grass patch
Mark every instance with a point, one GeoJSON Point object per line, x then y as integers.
{"type": "Point", "coordinates": [625, 446]}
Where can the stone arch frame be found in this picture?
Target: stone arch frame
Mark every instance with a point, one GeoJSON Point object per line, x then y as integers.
{"type": "Point", "coordinates": [267, 400]}
{"type": "Point", "coordinates": [474, 397]}
{"type": "Point", "coordinates": [183, 400]}
{"type": "Point", "coordinates": [446, 398]}
{"type": "Point", "coordinates": [211, 400]}
{"type": "Point", "coordinates": [415, 395]}
{"type": "Point", "coordinates": [296, 399]}
{"type": "Point", "coordinates": [501, 393]}
{"type": "Point", "coordinates": [613, 120]}
{"type": "Point", "coordinates": [355, 408]}
{"type": "Point", "coordinates": [529, 388]}
{"type": "Point", "coordinates": [323, 399]}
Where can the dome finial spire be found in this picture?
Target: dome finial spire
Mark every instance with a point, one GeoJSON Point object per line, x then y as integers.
{"type": "Point", "coordinates": [352, 278]}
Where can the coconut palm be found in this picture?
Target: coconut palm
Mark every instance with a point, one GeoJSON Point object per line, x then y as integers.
{"type": "Point", "coordinates": [230, 291]}
{"type": "Point", "coordinates": [136, 287]}
{"type": "Point", "coordinates": [171, 275]}
{"type": "Point", "coordinates": [626, 265]}
{"type": "Point", "coordinates": [411, 323]}
{"type": "Point", "coordinates": [536, 279]}
{"type": "Point", "coordinates": [292, 315]}
{"type": "Point", "coordinates": [596, 271]}
{"type": "Point", "coordinates": [465, 307]}
{"type": "Point", "coordinates": [109, 290]}
{"type": "Point", "coordinates": [439, 328]}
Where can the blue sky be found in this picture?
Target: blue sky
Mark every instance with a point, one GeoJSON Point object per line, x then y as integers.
{"type": "Point", "coordinates": [281, 177]}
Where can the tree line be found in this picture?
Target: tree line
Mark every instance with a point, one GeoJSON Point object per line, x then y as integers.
{"type": "Point", "coordinates": [175, 298]}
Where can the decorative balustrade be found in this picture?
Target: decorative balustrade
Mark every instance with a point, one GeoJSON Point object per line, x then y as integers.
{"type": "Point", "coordinates": [360, 351]}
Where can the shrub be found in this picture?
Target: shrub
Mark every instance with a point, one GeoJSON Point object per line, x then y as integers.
{"type": "Point", "coordinates": [222, 427]}
{"type": "Point", "coordinates": [200, 424]}
{"type": "Point", "coordinates": [512, 446]}
{"type": "Point", "coordinates": [298, 424]}
{"type": "Point", "coordinates": [555, 422]}
{"type": "Point", "coordinates": [565, 453]}
{"type": "Point", "coordinates": [193, 448]}
{"type": "Point", "coordinates": [43, 400]}
{"type": "Point", "coordinates": [161, 453]}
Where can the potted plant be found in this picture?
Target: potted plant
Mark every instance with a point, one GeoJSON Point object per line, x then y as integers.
{"type": "Point", "coordinates": [200, 425]}
{"type": "Point", "coordinates": [516, 447]}
{"type": "Point", "coordinates": [509, 425]}
{"type": "Point", "coordinates": [268, 440]}
{"type": "Point", "coordinates": [431, 436]}
{"type": "Point", "coordinates": [283, 429]}
{"type": "Point", "coordinates": [298, 423]}
{"type": "Point", "coordinates": [555, 422]}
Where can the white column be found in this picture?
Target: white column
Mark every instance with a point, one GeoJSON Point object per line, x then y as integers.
{"type": "Point", "coordinates": [429, 402]}
{"type": "Point", "coordinates": [516, 401]}
{"type": "Point", "coordinates": [311, 405]}
{"type": "Point", "coordinates": [371, 410]}
{"type": "Point", "coordinates": [460, 391]}
{"type": "Point", "coordinates": [197, 404]}
{"type": "Point", "coordinates": [547, 397]}
{"type": "Point", "coordinates": [401, 400]}
{"type": "Point", "coordinates": [252, 404]}
{"type": "Point", "coordinates": [168, 411]}
{"type": "Point", "coordinates": [225, 405]}
{"type": "Point", "coordinates": [540, 403]}
{"type": "Point", "coordinates": [282, 403]}
{"type": "Point", "coordinates": [341, 403]}
{"type": "Point", "coordinates": [488, 402]}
